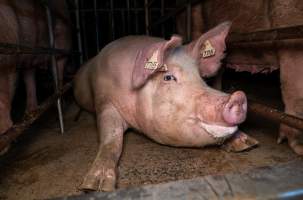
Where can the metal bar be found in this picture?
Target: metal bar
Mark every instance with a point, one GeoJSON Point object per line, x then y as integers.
{"type": "Point", "coordinates": [123, 22]}
{"type": "Point", "coordinates": [119, 9]}
{"type": "Point", "coordinates": [79, 32]}
{"type": "Point", "coordinates": [162, 14]}
{"type": "Point", "coordinates": [146, 17]}
{"type": "Point", "coordinates": [275, 115]}
{"type": "Point", "coordinates": [112, 19]}
{"type": "Point", "coordinates": [174, 13]}
{"type": "Point", "coordinates": [82, 29]}
{"type": "Point", "coordinates": [188, 22]}
{"type": "Point", "coordinates": [150, 3]}
{"type": "Point", "coordinates": [18, 129]}
{"type": "Point", "coordinates": [96, 26]}
{"type": "Point", "coordinates": [54, 66]}
{"type": "Point", "coordinates": [270, 35]}
{"type": "Point", "coordinates": [128, 16]}
{"type": "Point", "coordinates": [8, 48]}
{"type": "Point", "coordinates": [136, 18]}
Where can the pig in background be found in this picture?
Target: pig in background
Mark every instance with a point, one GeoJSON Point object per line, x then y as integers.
{"type": "Point", "coordinates": [250, 16]}
{"type": "Point", "coordinates": [156, 87]}
{"type": "Point", "coordinates": [25, 23]}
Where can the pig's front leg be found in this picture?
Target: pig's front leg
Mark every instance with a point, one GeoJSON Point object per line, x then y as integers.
{"type": "Point", "coordinates": [102, 175]}
{"type": "Point", "coordinates": [291, 72]}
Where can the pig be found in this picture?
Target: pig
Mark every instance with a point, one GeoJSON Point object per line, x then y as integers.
{"type": "Point", "coordinates": [251, 16]}
{"type": "Point", "coordinates": [156, 86]}
{"type": "Point", "coordinates": [25, 22]}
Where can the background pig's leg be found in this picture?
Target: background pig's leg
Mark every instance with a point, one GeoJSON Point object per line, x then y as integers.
{"type": "Point", "coordinates": [291, 73]}
{"type": "Point", "coordinates": [7, 89]}
{"type": "Point", "coordinates": [30, 84]}
{"type": "Point", "coordinates": [102, 175]}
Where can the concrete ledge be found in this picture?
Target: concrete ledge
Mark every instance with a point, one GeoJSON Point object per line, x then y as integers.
{"type": "Point", "coordinates": [284, 181]}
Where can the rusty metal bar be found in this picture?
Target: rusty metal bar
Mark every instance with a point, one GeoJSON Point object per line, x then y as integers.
{"type": "Point", "coordinates": [275, 115]}
{"type": "Point", "coordinates": [17, 129]}
{"type": "Point", "coordinates": [9, 48]}
{"type": "Point", "coordinates": [271, 35]}
{"type": "Point", "coordinates": [78, 26]}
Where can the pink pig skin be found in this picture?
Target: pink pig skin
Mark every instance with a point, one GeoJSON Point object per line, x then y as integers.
{"type": "Point", "coordinates": [173, 107]}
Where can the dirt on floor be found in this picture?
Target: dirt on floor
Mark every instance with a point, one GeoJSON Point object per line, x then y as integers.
{"type": "Point", "coordinates": [45, 164]}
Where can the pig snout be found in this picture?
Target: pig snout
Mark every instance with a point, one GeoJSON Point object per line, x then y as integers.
{"type": "Point", "coordinates": [234, 111]}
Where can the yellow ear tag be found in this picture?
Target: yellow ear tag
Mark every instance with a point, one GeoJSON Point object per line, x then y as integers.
{"type": "Point", "coordinates": [208, 50]}
{"type": "Point", "coordinates": [152, 62]}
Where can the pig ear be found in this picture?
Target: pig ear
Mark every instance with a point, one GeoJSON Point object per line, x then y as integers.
{"type": "Point", "coordinates": [151, 60]}
{"type": "Point", "coordinates": [209, 49]}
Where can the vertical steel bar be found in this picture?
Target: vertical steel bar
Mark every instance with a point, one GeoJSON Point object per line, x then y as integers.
{"type": "Point", "coordinates": [162, 14]}
{"type": "Point", "coordinates": [128, 16]}
{"type": "Point", "coordinates": [78, 31]}
{"type": "Point", "coordinates": [123, 22]}
{"type": "Point", "coordinates": [82, 28]}
{"type": "Point", "coordinates": [188, 21]}
{"type": "Point", "coordinates": [146, 17]}
{"type": "Point", "coordinates": [136, 17]}
{"type": "Point", "coordinates": [54, 67]}
{"type": "Point", "coordinates": [112, 19]}
{"type": "Point", "coordinates": [96, 26]}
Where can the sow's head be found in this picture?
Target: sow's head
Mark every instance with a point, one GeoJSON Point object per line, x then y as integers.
{"type": "Point", "coordinates": [174, 105]}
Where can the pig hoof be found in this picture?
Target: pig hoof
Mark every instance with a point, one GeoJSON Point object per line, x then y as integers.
{"type": "Point", "coordinates": [240, 142]}
{"type": "Point", "coordinates": [100, 181]}
{"type": "Point", "coordinates": [294, 137]}
{"type": "Point", "coordinates": [296, 144]}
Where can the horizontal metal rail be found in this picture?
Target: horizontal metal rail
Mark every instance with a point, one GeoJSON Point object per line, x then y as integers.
{"type": "Point", "coordinates": [9, 48]}
{"type": "Point", "coordinates": [274, 114]}
{"type": "Point", "coordinates": [270, 35]}
{"type": "Point", "coordinates": [117, 10]}
{"type": "Point", "coordinates": [17, 129]}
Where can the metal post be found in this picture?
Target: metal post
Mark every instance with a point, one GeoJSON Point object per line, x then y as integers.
{"type": "Point", "coordinates": [112, 19]}
{"type": "Point", "coordinates": [97, 25]}
{"type": "Point", "coordinates": [136, 17]}
{"type": "Point", "coordinates": [146, 17]}
{"type": "Point", "coordinates": [128, 16]}
{"type": "Point", "coordinates": [79, 32]}
{"type": "Point", "coordinates": [82, 28]}
{"type": "Point", "coordinates": [54, 67]}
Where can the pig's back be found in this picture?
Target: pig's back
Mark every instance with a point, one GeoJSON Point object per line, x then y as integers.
{"type": "Point", "coordinates": [116, 61]}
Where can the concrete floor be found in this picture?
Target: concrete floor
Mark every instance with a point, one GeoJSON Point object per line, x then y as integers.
{"type": "Point", "coordinates": [44, 164]}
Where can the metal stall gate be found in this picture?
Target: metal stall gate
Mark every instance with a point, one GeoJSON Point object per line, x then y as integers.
{"type": "Point", "coordinates": [18, 49]}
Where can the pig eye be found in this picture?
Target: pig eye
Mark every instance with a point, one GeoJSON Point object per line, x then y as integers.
{"type": "Point", "coordinates": [169, 77]}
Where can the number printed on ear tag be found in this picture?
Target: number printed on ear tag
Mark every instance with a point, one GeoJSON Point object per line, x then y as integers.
{"type": "Point", "coordinates": [208, 50]}
{"type": "Point", "coordinates": [152, 62]}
